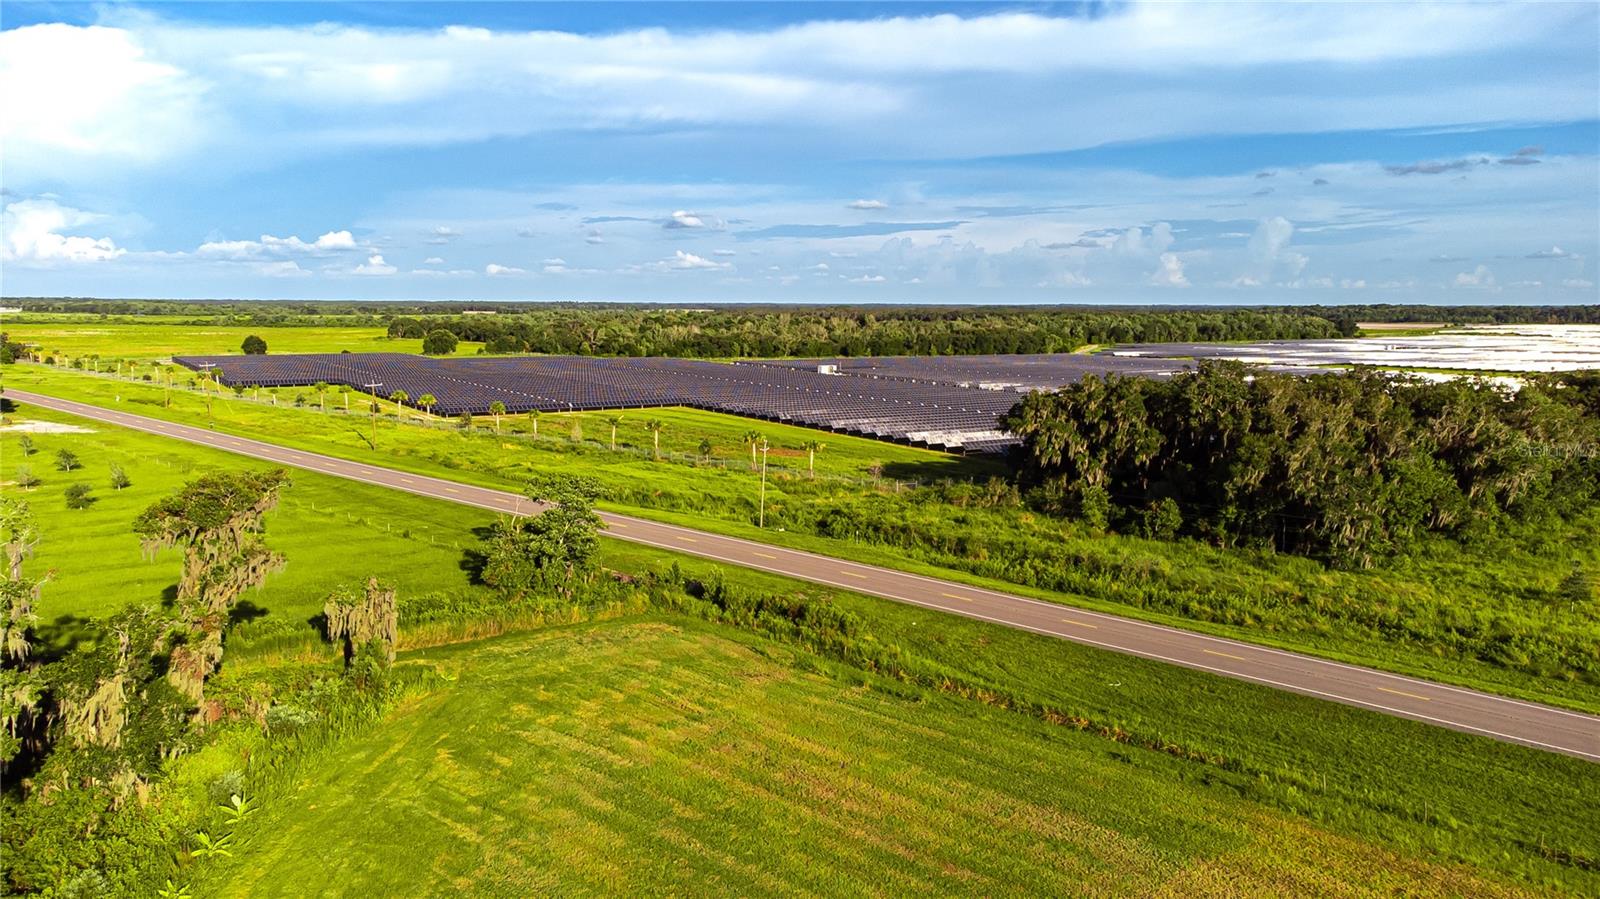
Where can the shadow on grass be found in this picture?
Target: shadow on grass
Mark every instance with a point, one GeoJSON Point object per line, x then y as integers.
{"type": "Point", "coordinates": [65, 634]}
{"type": "Point", "coordinates": [975, 468]}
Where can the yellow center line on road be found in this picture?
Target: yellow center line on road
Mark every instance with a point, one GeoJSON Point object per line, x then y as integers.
{"type": "Point", "coordinates": [954, 596]}
{"type": "Point", "coordinates": [451, 490]}
{"type": "Point", "coordinates": [687, 539]}
{"type": "Point", "coordinates": [616, 524]}
{"type": "Point", "coordinates": [1212, 652]}
{"type": "Point", "coordinates": [763, 555]}
{"type": "Point", "coordinates": [852, 574]}
{"type": "Point", "coordinates": [407, 481]}
{"type": "Point", "coordinates": [1404, 693]}
{"type": "Point", "coordinates": [1080, 623]}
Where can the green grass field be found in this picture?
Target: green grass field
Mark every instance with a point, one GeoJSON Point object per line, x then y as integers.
{"type": "Point", "coordinates": [116, 340]}
{"type": "Point", "coordinates": [653, 757]}
{"type": "Point", "coordinates": [1405, 617]}
{"type": "Point", "coordinates": [1355, 773]}
{"type": "Point", "coordinates": [334, 530]}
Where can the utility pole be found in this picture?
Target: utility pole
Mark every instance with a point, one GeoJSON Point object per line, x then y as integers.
{"type": "Point", "coordinates": [373, 389]}
{"type": "Point", "coordinates": [205, 375]}
{"type": "Point", "coordinates": [761, 516]}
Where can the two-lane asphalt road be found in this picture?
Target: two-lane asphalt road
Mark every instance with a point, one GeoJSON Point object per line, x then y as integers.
{"type": "Point", "coordinates": [1511, 720]}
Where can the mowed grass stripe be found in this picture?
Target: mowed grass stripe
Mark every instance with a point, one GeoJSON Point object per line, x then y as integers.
{"type": "Point", "coordinates": [565, 761]}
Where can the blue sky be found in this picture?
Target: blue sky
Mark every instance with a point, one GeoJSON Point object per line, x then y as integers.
{"type": "Point", "coordinates": [793, 152]}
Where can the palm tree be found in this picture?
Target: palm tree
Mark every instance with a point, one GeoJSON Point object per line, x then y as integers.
{"type": "Point", "coordinates": [427, 401]}
{"type": "Point", "coordinates": [399, 398]}
{"type": "Point", "coordinates": [751, 438]}
{"type": "Point", "coordinates": [613, 421]}
{"type": "Point", "coordinates": [344, 391]}
{"type": "Point", "coordinates": [654, 426]}
{"type": "Point", "coordinates": [497, 409]}
{"type": "Point", "coordinates": [533, 416]}
{"type": "Point", "coordinates": [811, 447]}
{"type": "Point", "coordinates": [322, 395]}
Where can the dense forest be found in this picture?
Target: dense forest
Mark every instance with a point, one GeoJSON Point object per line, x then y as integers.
{"type": "Point", "coordinates": [847, 332]}
{"type": "Point", "coordinates": [1344, 467]}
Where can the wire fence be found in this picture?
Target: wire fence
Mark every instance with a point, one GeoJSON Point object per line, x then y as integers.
{"type": "Point", "coordinates": [306, 399]}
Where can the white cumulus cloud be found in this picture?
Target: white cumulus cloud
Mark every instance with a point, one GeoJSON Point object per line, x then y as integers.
{"type": "Point", "coordinates": [1478, 277]}
{"type": "Point", "coordinates": [495, 268]}
{"type": "Point", "coordinates": [1170, 272]}
{"type": "Point", "coordinates": [375, 266]}
{"type": "Point", "coordinates": [33, 234]}
{"type": "Point", "coordinates": [269, 247]}
{"type": "Point", "coordinates": [682, 262]}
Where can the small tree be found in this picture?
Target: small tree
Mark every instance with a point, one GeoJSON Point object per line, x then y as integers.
{"type": "Point", "coordinates": [366, 621]}
{"type": "Point", "coordinates": [79, 496]}
{"type": "Point", "coordinates": [533, 418]}
{"type": "Point", "coordinates": [812, 447]}
{"type": "Point", "coordinates": [67, 460]}
{"type": "Point", "coordinates": [25, 443]}
{"type": "Point", "coordinates": [19, 533]}
{"type": "Point", "coordinates": [752, 439]}
{"type": "Point", "coordinates": [254, 346]}
{"type": "Point", "coordinates": [119, 478]}
{"type": "Point", "coordinates": [399, 398]}
{"type": "Point", "coordinates": [613, 421]}
{"type": "Point", "coordinates": [321, 387]}
{"type": "Point", "coordinates": [427, 401]}
{"type": "Point", "coordinates": [705, 448]}
{"type": "Point", "coordinates": [26, 479]}
{"type": "Point", "coordinates": [464, 421]}
{"type": "Point", "coordinates": [439, 343]}
{"type": "Point", "coordinates": [553, 549]}
{"type": "Point", "coordinates": [654, 426]}
{"type": "Point", "coordinates": [497, 409]}
{"type": "Point", "coordinates": [1577, 588]}
{"type": "Point", "coordinates": [216, 520]}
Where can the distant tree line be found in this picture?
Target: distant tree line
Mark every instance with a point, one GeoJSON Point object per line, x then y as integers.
{"type": "Point", "coordinates": [289, 313]}
{"type": "Point", "coordinates": [1345, 467]}
{"type": "Point", "coordinates": [848, 332]}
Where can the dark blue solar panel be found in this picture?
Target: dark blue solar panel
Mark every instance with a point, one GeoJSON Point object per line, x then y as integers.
{"type": "Point", "coordinates": [952, 402]}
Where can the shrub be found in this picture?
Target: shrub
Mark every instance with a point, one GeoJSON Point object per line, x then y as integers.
{"type": "Point", "coordinates": [25, 443]}
{"type": "Point", "coordinates": [227, 785]}
{"type": "Point", "coordinates": [286, 720]}
{"type": "Point", "coordinates": [119, 478]}
{"type": "Point", "coordinates": [26, 479]}
{"type": "Point", "coordinates": [254, 346]}
{"type": "Point", "coordinates": [67, 460]}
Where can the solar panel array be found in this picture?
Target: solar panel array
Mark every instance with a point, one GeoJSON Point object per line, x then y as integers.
{"type": "Point", "coordinates": [1041, 371]}
{"type": "Point", "coordinates": [943, 402]}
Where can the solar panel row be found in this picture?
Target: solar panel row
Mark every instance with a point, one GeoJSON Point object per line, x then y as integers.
{"type": "Point", "coordinates": [933, 401]}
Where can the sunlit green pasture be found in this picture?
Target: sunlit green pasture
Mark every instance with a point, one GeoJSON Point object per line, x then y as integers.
{"type": "Point", "coordinates": [335, 531]}
{"type": "Point", "coordinates": [665, 757]}
{"type": "Point", "coordinates": [111, 340]}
